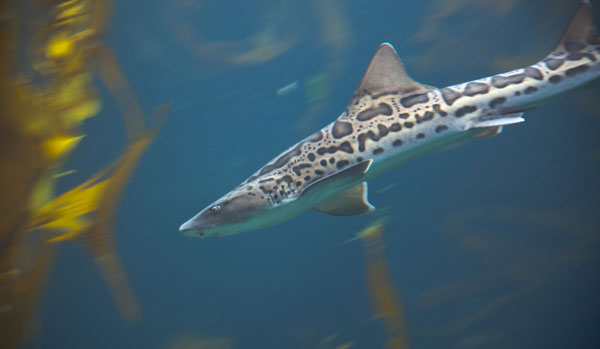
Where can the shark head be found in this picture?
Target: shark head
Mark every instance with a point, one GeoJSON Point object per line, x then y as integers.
{"type": "Point", "coordinates": [243, 209]}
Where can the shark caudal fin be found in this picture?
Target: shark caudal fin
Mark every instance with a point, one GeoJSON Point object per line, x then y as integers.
{"type": "Point", "coordinates": [581, 31]}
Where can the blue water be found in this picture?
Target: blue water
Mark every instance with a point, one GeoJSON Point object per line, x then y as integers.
{"type": "Point", "coordinates": [493, 243]}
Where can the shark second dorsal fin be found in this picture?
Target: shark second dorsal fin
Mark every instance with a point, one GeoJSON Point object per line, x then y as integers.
{"type": "Point", "coordinates": [581, 31]}
{"type": "Point", "coordinates": [350, 202]}
{"type": "Point", "coordinates": [386, 74]}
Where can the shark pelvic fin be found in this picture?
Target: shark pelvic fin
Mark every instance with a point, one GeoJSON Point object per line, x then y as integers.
{"type": "Point", "coordinates": [350, 202]}
{"type": "Point", "coordinates": [492, 131]}
{"type": "Point", "coordinates": [580, 32]}
{"type": "Point", "coordinates": [386, 74]}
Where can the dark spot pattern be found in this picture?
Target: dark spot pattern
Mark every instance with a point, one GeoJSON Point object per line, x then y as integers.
{"type": "Point", "coordinates": [449, 95]}
{"type": "Point", "coordinates": [362, 138]}
{"type": "Point", "coordinates": [555, 79]}
{"type": "Point", "coordinates": [517, 93]}
{"type": "Point", "coordinates": [311, 157]}
{"type": "Point", "coordinates": [409, 124]}
{"type": "Point", "coordinates": [476, 88]}
{"type": "Point", "coordinates": [502, 81]}
{"type": "Point", "coordinates": [332, 160]}
{"type": "Point", "coordinates": [409, 101]}
{"type": "Point", "coordinates": [465, 110]}
{"type": "Point", "coordinates": [441, 128]}
{"type": "Point", "coordinates": [579, 56]}
{"type": "Point", "coordinates": [421, 135]}
{"type": "Point", "coordinates": [395, 127]}
{"type": "Point", "coordinates": [298, 169]}
{"type": "Point", "coordinates": [404, 116]}
{"type": "Point", "coordinates": [282, 160]}
{"type": "Point", "coordinates": [265, 180]}
{"type": "Point", "coordinates": [307, 178]}
{"type": "Point", "coordinates": [341, 129]}
{"type": "Point", "coordinates": [377, 151]}
{"type": "Point", "coordinates": [574, 46]}
{"type": "Point", "coordinates": [383, 130]}
{"type": "Point", "coordinates": [346, 147]}
{"type": "Point", "coordinates": [534, 73]}
{"type": "Point", "coordinates": [553, 63]}
{"type": "Point", "coordinates": [529, 90]}
{"type": "Point", "coordinates": [368, 114]}
{"type": "Point", "coordinates": [427, 116]}
{"type": "Point", "coordinates": [319, 172]}
{"type": "Point", "coordinates": [438, 109]}
{"type": "Point", "coordinates": [397, 143]}
{"type": "Point", "coordinates": [497, 101]}
{"type": "Point", "coordinates": [323, 163]}
{"type": "Point", "coordinates": [342, 163]}
{"type": "Point", "coordinates": [577, 70]}
{"type": "Point", "coordinates": [315, 137]}
{"type": "Point", "coordinates": [286, 178]}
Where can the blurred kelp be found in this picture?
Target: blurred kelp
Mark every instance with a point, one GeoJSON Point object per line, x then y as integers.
{"type": "Point", "coordinates": [271, 30]}
{"type": "Point", "coordinates": [384, 296]}
{"type": "Point", "coordinates": [269, 37]}
{"type": "Point", "coordinates": [520, 252]}
{"type": "Point", "coordinates": [447, 34]}
{"type": "Point", "coordinates": [44, 105]}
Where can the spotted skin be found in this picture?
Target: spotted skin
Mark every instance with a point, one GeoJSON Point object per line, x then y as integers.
{"type": "Point", "coordinates": [390, 128]}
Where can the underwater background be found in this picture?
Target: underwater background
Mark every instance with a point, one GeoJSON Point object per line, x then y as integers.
{"type": "Point", "coordinates": [492, 243]}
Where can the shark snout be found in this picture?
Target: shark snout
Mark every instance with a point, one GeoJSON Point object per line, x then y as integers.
{"type": "Point", "coordinates": [186, 226]}
{"type": "Point", "coordinates": [189, 228]}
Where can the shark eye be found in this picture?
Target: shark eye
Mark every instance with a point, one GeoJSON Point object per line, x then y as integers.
{"type": "Point", "coordinates": [215, 208]}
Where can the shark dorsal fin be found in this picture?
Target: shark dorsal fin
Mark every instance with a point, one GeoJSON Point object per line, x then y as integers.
{"type": "Point", "coordinates": [386, 74]}
{"type": "Point", "coordinates": [581, 31]}
{"type": "Point", "coordinates": [350, 202]}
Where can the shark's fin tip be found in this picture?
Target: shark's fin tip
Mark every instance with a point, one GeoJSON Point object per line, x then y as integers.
{"type": "Point", "coordinates": [386, 74]}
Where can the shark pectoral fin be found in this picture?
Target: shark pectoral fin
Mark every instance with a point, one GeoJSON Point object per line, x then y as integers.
{"type": "Point", "coordinates": [350, 202]}
{"type": "Point", "coordinates": [386, 73]}
{"type": "Point", "coordinates": [496, 120]}
{"type": "Point", "coordinates": [352, 174]}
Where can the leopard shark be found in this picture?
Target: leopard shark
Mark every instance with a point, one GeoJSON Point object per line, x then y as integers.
{"type": "Point", "coordinates": [390, 120]}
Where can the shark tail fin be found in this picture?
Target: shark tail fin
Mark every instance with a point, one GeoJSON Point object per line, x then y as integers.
{"type": "Point", "coordinates": [581, 31]}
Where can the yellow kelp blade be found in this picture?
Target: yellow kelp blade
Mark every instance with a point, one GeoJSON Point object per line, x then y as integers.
{"type": "Point", "coordinates": [60, 145]}
{"type": "Point", "coordinates": [66, 212]}
{"type": "Point", "coordinates": [73, 228]}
